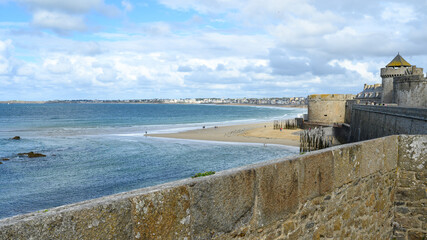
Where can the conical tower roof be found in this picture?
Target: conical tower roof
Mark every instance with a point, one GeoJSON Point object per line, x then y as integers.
{"type": "Point", "coordinates": [398, 61]}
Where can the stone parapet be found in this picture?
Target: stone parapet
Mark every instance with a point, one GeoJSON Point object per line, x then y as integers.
{"type": "Point", "coordinates": [346, 191]}
{"type": "Point", "coordinates": [393, 72]}
{"type": "Point", "coordinates": [410, 91]}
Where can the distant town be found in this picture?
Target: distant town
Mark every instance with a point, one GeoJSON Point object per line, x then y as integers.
{"type": "Point", "coordinates": [298, 101]}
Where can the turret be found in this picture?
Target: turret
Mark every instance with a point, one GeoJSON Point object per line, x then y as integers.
{"type": "Point", "coordinates": [397, 67]}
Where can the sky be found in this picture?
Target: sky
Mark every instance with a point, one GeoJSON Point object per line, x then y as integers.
{"type": "Point", "coordinates": [123, 49]}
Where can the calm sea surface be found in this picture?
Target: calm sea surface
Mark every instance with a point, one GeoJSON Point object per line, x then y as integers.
{"type": "Point", "coordinates": [95, 150]}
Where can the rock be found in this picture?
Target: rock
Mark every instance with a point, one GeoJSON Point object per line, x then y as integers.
{"type": "Point", "coordinates": [1, 163]}
{"type": "Point", "coordinates": [16, 138]}
{"type": "Point", "coordinates": [5, 159]}
{"type": "Point", "coordinates": [32, 154]}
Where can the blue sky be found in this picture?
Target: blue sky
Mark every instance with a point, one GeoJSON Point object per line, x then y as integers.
{"type": "Point", "coordinates": [99, 49]}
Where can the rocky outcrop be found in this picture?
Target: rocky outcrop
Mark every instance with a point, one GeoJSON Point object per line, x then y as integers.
{"type": "Point", "coordinates": [5, 159]}
{"type": "Point", "coordinates": [31, 154]}
{"type": "Point", "coordinates": [16, 138]}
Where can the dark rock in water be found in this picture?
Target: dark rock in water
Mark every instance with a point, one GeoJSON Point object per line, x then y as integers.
{"type": "Point", "coordinates": [1, 163]}
{"type": "Point", "coordinates": [32, 154]}
{"type": "Point", "coordinates": [16, 138]}
{"type": "Point", "coordinates": [5, 159]}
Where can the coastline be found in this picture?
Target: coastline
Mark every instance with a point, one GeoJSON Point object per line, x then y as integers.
{"type": "Point", "coordinates": [219, 104]}
{"type": "Point", "coordinates": [245, 133]}
{"type": "Point", "coordinates": [265, 105]}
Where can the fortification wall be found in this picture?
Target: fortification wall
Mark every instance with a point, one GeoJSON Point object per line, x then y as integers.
{"type": "Point", "coordinates": [348, 109]}
{"type": "Point", "coordinates": [387, 75]}
{"type": "Point", "coordinates": [346, 191]}
{"type": "Point", "coordinates": [368, 122]}
{"type": "Point", "coordinates": [410, 91]}
{"type": "Point", "coordinates": [327, 108]}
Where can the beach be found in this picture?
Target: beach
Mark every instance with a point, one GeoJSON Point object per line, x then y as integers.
{"type": "Point", "coordinates": [246, 133]}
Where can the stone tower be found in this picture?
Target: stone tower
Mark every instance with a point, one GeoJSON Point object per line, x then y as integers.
{"type": "Point", "coordinates": [397, 67]}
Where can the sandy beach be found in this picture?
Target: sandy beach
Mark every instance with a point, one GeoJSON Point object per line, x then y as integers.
{"type": "Point", "coordinates": [247, 133]}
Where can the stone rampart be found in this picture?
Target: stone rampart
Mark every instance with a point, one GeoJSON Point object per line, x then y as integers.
{"type": "Point", "coordinates": [347, 191]}
{"type": "Point", "coordinates": [327, 108]}
{"type": "Point", "coordinates": [410, 91]}
{"type": "Point", "coordinates": [368, 122]}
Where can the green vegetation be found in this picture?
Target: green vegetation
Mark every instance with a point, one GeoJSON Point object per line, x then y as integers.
{"type": "Point", "coordinates": [203, 174]}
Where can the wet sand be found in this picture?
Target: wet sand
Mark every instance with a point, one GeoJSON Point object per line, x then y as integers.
{"type": "Point", "coordinates": [247, 133]}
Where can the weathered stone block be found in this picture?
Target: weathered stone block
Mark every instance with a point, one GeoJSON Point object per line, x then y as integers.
{"type": "Point", "coordinates": [413, 152]}
{"type": "Point", "coordinates": [411, 194]}
{"type": "Point", "coordinates": [108, 219]}
{"type": "Point", "coordinates": [315, 175]}
{"type": "Point", "coordinates": [346, 164]}
{"type": "Point", "coordinates": [406, 222]}
{"type": "Point", "coordinates": [390, 150]}
{"type": "Point", "coordinates": [406, 179]}
{"type": "Point", "coordinates": [163, 214]}
{"type": "Point", "coordinates": [372, 157]}
{"type": "Point", "coordinates": [220, 204]}
{"type": "Point", "coordinates": [277, 194]}
{"type": "Point", "coordinates": [416, 235]}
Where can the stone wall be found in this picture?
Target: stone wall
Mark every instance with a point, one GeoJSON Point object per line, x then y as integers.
{"type": "Point", "coordinates": [327, 108]}
{"type": "Point", "coordinates": [349, 108]}
{"type": "Point", "coordinates": [410, 91]}
{"type": "Point", "coordinates": [346, 191]}
{"type": "Point", "coordinates": [368, 122]}
{"type": "Point", "coordinates": [410, 220]}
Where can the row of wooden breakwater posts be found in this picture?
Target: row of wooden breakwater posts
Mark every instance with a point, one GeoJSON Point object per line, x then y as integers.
{"type": "Point", "coordinates": [288, 123]}
{"type": "Point", "coordinates": [314, 139]}
{"type": "Point", "coordinates": [310, 139]}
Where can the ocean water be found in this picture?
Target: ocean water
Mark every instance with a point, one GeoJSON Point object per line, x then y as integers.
{"type": "Point", "coordinates": [95, 150]}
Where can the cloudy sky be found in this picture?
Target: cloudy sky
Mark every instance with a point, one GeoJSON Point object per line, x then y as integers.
{"type": "Point", "coordinates": [105, 49]}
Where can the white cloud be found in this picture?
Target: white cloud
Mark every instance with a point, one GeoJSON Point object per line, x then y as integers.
{"type": "Point", "coordinates": [57, 21]}
{"type": "Point", "coordinates": [127, 6]}
{"type": "Point", "coordinates": [5, 57]}
{"type": "Point", "coordinates": [398, 13]}
{"type": "Point", "coordinates": [66, 16]}
{"type": "Point", "coordinates": [362, 68]}
{"type": "Point", "coordinates": [60, 65]}
{"type": "Point", "coordinates": [27, 70]}
{"type": "Point", "coordinates": [74, 6]}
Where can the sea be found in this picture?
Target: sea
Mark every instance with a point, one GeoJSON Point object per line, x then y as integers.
{"type": "Point", "coordinates": [94, 150]}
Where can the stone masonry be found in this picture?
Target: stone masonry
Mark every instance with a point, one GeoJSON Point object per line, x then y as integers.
{"type": "Point", "coordinates": [410, 220]}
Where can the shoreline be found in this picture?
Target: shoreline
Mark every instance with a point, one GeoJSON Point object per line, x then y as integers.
{"type": "Point", "coordinates": [262, 105]}
{"type": "Point", "coordinates": [262, 133]}
{"type": "Point", "coordinates": [218, 104]}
